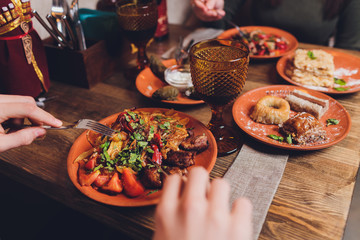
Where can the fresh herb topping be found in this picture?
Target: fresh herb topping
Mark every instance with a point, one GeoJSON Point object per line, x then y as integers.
{"type": "Point", "coordinates": [332, 121]}
{"type": "Point", "coordinates": [151, 133]}
{"type": "Point", "coordinates": [339, 81]}
{"type": "Point", "coordinates": [341, 89]}
{"type": "Point", "coordinates": [311, 55]}
{"type": "Point", "coordinates": [132, 115]}
{"type": "Point", "coordinates": [289, 139]}
{"type": "Point", "coordinates": [165, 125]}
{"type": "Point", "coordinates": [152, 191]}
{"type": "Point", "coordinates": [276, 137]}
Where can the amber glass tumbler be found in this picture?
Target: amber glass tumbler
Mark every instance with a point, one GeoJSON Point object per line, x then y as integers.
{"type": "Point", "coordinates": [138, 21]}
{"type": "Point", "coordinates": [219, 70]}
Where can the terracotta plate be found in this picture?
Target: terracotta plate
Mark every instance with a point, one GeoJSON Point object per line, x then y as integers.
{"type": "Point", "coordinates": [244, 104]}
{"type": "Point", "coordinates": [292, 41]}
{"type": "Point", "coordinates": [347, 67]}
{"type": "Point", "coordinates": [206, 159]}
{"type": "Point", "coordinates": [147, 83]}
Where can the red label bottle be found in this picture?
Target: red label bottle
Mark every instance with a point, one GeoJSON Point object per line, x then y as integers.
{"type": "Point", "coordinates": [162, 30]}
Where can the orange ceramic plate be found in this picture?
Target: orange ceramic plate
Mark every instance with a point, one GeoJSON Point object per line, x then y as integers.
{"type": "Point", "coordinates": [292, 41]}
{"type": "Point", "coordinates": [347, 67]}
{"type": "Point", "coordinates": [147, 83]}
{"type": "Point", "coordinates": [206, 159]}
{"type": "Point", "coordinates": [244, 104]}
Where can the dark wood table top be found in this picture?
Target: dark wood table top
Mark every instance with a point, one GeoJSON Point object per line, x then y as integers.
{"type": "Point", "coordinates": [312, 200]}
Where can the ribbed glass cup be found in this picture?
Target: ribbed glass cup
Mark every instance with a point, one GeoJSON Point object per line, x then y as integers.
{"type": "Point", "coordinates": [218, 71]}
{"type": "Point", "coordinates": [138, 21]}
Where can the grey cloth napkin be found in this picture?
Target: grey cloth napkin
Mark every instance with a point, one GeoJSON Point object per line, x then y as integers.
{"type": "Point", "coordinates": [256, 175]}
{"type": "Point", "coordinates": [198, 35]}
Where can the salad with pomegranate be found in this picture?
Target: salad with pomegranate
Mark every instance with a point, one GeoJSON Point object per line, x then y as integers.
{"type": "Point", "coordinates": [147, 146]}
{"type": "Point", "coordinates": [263, 44]}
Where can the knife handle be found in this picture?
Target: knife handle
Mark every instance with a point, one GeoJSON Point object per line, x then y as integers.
{"type": "Point", "coordinates": [69, 28]}
{"type": "Point", "coordinates": [52, 34]}
{"type": "Point", "coordinates": [52, 23]}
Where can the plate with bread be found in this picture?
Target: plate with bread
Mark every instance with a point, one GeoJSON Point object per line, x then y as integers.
{"type": "Point", "coordinates": [323, 70]}
{"type": "Point", "coordinates": [291, 117]}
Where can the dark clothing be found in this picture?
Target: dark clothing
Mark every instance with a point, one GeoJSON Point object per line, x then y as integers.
{"type": "Point", "coordinates": [304, 19]}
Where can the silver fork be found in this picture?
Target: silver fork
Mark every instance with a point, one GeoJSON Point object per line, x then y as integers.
{"type": "Point", "coordinates": [83, 124]}
{"type": "Point", "coordinates": [242, 34]}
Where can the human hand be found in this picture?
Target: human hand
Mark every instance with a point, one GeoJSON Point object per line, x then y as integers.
{"type": "Point", "coordinates": [200, 210]}
{"type": "Point", "coordinates": [15, 109]}
{"type": "Point", "coordinates": [208, 10]}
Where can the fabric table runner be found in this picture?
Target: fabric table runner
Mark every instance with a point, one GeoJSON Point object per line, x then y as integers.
{"type": "Point", "coordinates": [256, 175]}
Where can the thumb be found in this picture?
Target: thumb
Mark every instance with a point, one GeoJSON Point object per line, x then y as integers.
{"type": "Point", "coordinates": [20, 138]}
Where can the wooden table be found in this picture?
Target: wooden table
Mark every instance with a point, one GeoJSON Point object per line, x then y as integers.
{"type": "Point", "coordinates": [313, 198]}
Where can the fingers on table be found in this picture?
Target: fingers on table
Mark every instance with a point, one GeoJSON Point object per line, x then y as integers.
{"type": "Point", "coordinates": [20, 138]}
{"type": "Point", "coordinates": [241, 216]}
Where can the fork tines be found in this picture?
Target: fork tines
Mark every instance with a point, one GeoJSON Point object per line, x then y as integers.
{"type": "Point", "coordinates": [96, 126]}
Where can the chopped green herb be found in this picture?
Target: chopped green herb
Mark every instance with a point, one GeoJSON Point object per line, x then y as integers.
{"type": "Point", "coordinates": [132, 114]}
{"type": "Point", "coordinates": [151, 133]}
{"type": "Point", "coordinates": [134, 125]}
{"type": "Point", "coordinates": [311, 55]}
{"type": "Point", "coordinates": [276, 137]}
{"type": "Point", "coordinates": [339, 81]}
{"type": "Point", "coordinates": [133, 157]}
{"type": "Point", "coordinates": [138, 136]}
{"type": "Point", "coordinates": [105, 145]}
{"type": "Point", "coordinates": [141, 121]}
{"type": "Point", "coordinates": [332, 121]}
{"type": "Point", "coordinates": [179, 125]}
{"type": "Point", "coordinates": [151, 192]}
{"type": "Point", "coordinates": [158, 118]}
{"type": "Point", "coordinates": [166, 125]}
{"type": "Point", "coordinates": [289, 139]}
{"type": "Point", "coordinates": [341, 89]}
{"type": "Point", "coordinates": [98, 167]}
{"type": "Point", "coordinates": [106, 155]}
{"type": "Point", "coordinates": [142, 144]}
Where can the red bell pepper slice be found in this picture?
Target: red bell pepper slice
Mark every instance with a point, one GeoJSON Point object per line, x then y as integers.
{"type": "Point", "coordinates": [157, 140]}
{"type": "Point", "coordinates": [156, 157]}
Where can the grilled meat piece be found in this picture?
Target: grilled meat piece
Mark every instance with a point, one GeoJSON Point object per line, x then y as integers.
{"type": "Point", "coordinates": [303, 128]}
{"type": "Point", "coordinates": [180, 158]}
{"type": "Point", "coordinates": [151, 178]}
{"type": "Point", "coordinates": [175, 170]}
{"type": "Point", "coordinates": [198, 143]}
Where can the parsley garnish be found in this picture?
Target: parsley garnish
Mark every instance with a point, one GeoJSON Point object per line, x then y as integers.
{"type": "Point", "coordinates": [142, 144]}
{"type": "Point", "coordinates": [276, 137]}
{"type": "Point", "coordinates": [311, 55]}
{"type": "Point", "coordinates": [332, 121]}
{"type": "Point", "coordinates": [166, 125]}
{"type": "Point", "coordinates": [151, 192]}
{"type": "Point", "coordinates": [339, 81]}
{"type": "Point", "coordinates": [138, 136]}
{"type": "Point", "coordinates": [98, 167]}
{"type": "Point", "coordinates": [341, 89]}
{"type": "Point", "coordinates": [133, 115]}
{"type": "Point", "coordinates": [151, 133]}
{"type": "Point", "coordinates": [289, 139]}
